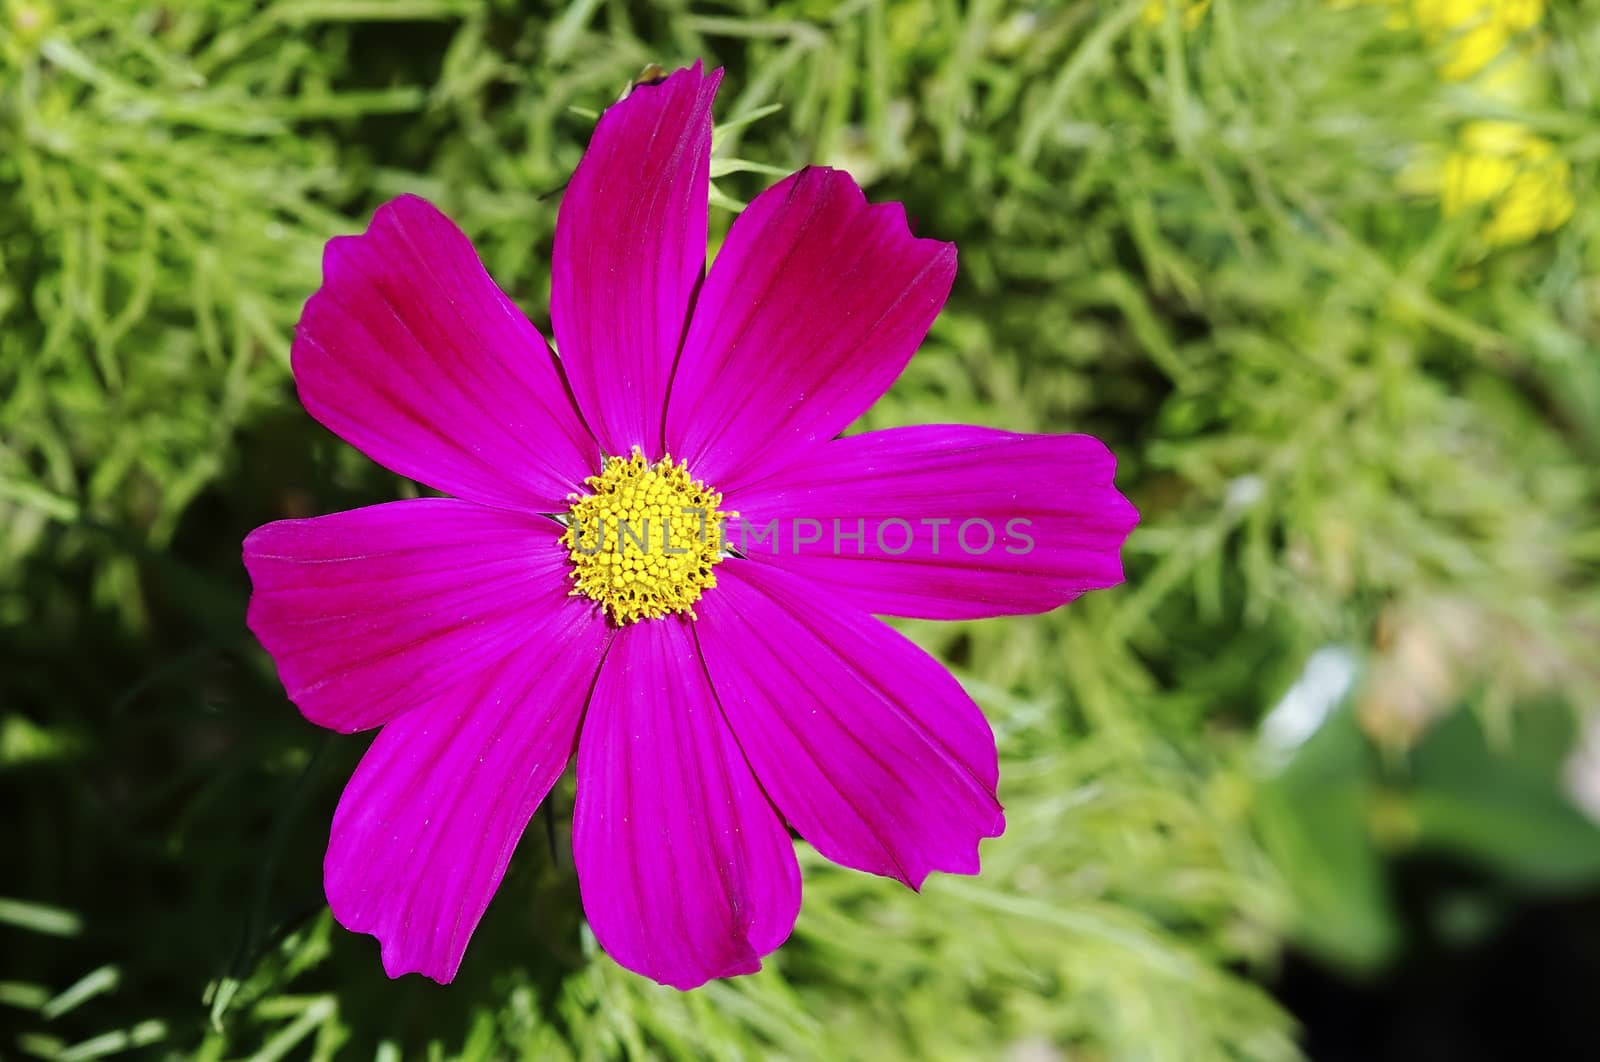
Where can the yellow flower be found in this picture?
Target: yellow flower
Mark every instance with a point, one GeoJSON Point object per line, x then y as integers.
{"type": "Point", "coordinates": [1515, 15]}
{"type": "Point", "coordinates": [1155, 11]}
{"type": "Point", "coordinates": [1476, 32]}
{"type": "Point", "coordinates": [1525, 184]}
{"type": "Point", "coordinates": [1516, 177]}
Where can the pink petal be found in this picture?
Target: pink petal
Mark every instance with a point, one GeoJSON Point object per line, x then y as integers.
{"type": "Point", "coordinates": [945, 522]}
{"type": "Point", "coordinates": [410, 353]}
{"type": "Point", "coordinates": [813, 307]}
{"type": "Point", "coordinates": [686, 871]}
{"type": "Point", "coordinates": [864, 743]}
{"type": "Point", "coordinates": [372, 612]}
{"type": "Point", "coordinates": [426, 827]}
{"type": "Point", "coordinates": [630, 249]}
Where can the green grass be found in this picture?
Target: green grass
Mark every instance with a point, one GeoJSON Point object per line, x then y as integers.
{"type": "Point", "coordinates": [1345, 422]}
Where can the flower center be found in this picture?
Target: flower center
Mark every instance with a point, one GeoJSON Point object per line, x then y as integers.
{"type": "Point", "coordinates": [644, 542]}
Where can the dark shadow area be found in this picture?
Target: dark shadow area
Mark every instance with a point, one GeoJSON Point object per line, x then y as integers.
{"type": "Point", "coordinates": [1470, 988]}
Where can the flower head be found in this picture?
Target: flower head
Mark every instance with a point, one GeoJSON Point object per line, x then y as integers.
{"type": "Point", "coordinates": [1526, 184]}
{"type": "Point", "coordinates": [1475, 32]}
{"type": "Point", "coordinates": [659, 554]}
{"type": "Point", "coordinates": [1191, 11]}
{"type": "Point", "coordinates": [1517, 179]}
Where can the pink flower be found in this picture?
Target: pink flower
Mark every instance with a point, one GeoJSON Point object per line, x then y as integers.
{"type": "Point", "coordinates": [718, 687]}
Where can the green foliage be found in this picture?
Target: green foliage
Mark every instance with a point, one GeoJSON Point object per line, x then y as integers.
{"type": "Point", "coordinates": [1342, 422]}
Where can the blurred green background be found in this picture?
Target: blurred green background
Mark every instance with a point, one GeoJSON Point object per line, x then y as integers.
{"type": "Point", "coordinates": [1315, 781]}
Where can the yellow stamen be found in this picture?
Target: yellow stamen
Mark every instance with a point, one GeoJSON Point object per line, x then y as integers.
{"type": "Point", "coordinates": [644, 542]}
